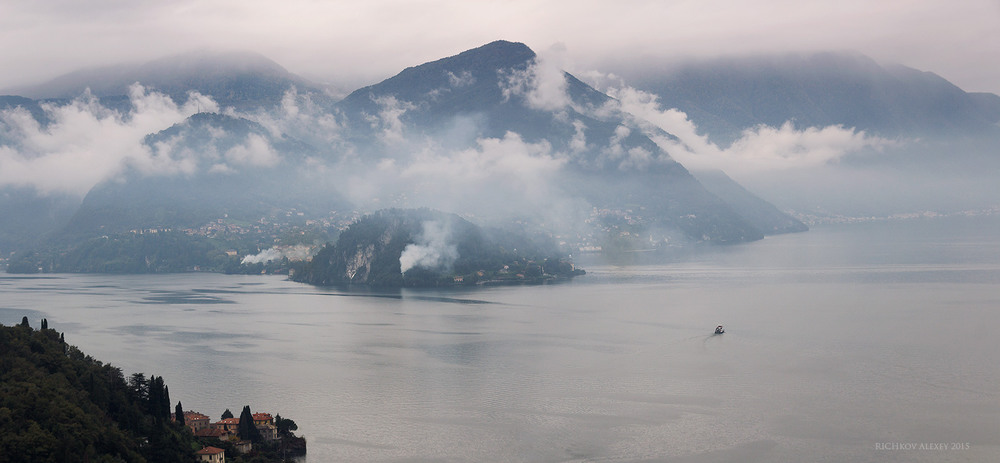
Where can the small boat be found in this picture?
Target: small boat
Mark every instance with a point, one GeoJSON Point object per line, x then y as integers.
{"type": "Point", "coordinates": [719, 329]}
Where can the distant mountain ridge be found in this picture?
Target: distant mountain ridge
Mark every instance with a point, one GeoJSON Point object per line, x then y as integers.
{"type": "Point", "coordinates": [240, 79]}
{"type": "Point", "coordinates": [727, 95]}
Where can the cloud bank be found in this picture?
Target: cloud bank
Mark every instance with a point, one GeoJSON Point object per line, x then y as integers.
{"type": "Point", "coordinates": [759, 149]}
{"type": "Point", "coordinates": [85, 142]}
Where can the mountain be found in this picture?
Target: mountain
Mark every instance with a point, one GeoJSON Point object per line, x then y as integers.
{"type": "Point", "coordinates": [760, 213]}
{"type": "Point", "coordinates": [727, 95]}
{"type": "Point", "coordinates": [500, 89]}
{"type": "Point", "coordinates": [243, 80]}
{"type": "Point", "coordinates": [492, 133]}
{"type": "Point", "coordinates": [490, 86]}
{"type": "Point", "coordinates": [28, 217]}
{"type": "Point", "coordinates": [234, 168]}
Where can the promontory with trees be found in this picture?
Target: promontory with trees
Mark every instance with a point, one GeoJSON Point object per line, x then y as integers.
{"type": "Point", "coordinates": [58, 404]}
{"type": "Point", "coordinates": [424, 248]}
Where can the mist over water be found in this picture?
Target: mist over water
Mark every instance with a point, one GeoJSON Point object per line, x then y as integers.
{"type": "Point", "coordinates": [840, 342]}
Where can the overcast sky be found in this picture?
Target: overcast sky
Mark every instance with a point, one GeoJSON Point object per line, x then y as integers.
{"type": "Point", "coordinates": [357, 42]}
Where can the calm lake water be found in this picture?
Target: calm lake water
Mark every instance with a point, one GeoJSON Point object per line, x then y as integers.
{"type": "Point", "coordinates": [867, 342]}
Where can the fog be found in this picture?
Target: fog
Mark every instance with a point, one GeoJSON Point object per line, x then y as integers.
{"type": "Point", "coordinates": [86, 142]}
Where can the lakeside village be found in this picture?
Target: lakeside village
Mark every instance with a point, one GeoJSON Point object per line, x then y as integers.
{"type": "Point", "coordinates": [224, 436]}
{"type": "Point", "coordinates": [607, 230]}
{"type": "Point", "coordinates": [289, 229]}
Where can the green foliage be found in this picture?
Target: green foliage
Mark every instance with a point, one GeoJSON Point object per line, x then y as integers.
{"type": "Point", "coordinates": [227, 414]}
{"type": "Point", "coordinates": [57, 404]}
{"type": "Point", "coordinates": [285, 426]}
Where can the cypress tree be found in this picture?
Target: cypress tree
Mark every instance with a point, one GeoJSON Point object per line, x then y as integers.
{"type": "Point", "coordinates": [227, 414]}
{"type": "Point", "coordinates": [165, 401]}
{"type": "Point", "coordinates": [154, 395]}
{"type": "Point", "coordinates": [247, 429]}
{"type": "Point", "coordinates": [179, 413]}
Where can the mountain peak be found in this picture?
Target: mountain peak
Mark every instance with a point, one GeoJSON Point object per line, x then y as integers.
{"type": "Point", "coordinates": [498, 51]}
{"type": "Point", "coordinates": [475, 71]}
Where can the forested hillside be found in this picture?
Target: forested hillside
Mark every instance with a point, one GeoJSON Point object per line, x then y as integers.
{"type": "Point", "coordinates": [59, 405]}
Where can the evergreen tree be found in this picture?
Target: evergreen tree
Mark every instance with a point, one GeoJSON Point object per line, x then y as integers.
{"type": "Point", "coordinates": [179, 413]}
{"type": "Point", "coordinates": [227, 414]}
{"type": "Point", "coordinates": [285, 426]}
{"type": "Point", "coordinates": [247, 429]}
{"type": "Point", "coordinates": [139, 386]}
{"type": "Point", "coordinates": [165, 402]}
{"type": "Point", "coordinates": [24, 322]}
{"type": "Point", "coordinates": [158, 398]}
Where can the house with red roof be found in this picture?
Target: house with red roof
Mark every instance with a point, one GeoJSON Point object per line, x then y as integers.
{"type": "Point", "coordinates": [211, 454]}
{"type": "Point", "coordinates": [196, 421]}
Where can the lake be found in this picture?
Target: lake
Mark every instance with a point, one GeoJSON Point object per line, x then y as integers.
{"type": "Point", "coordinates": [861, 342]}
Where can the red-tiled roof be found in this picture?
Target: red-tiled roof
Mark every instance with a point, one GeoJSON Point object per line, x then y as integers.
{"type": "Point", "coordinates": [261, 416]}
{"type": "Point", "coordinates": [209, 451]}
{"type": "Point", "coordinates": [209, 432]}
{"type": "Point", "coordinates": [229, 421]}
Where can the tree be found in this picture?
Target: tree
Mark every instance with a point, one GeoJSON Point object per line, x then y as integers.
{"type": "Point", "coordinates": [165, 401]}
{"type": "Point", "coordinates": [155, 397]}
{"type": "Point", "coordinates": [24, 322]}
{"type": "Point", "coordinates": [179, 414]}
{"type": "Point", "coordinates": [139, 386]}
{"type": "Point", "coordinates": [247, 429]}
{"type": "Point", "coordinates": [227, 414]}
{"type": "Point", "coordinates": [285, 426]}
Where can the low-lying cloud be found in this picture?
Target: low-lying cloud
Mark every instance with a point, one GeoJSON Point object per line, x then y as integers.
{"type": "Point", "coordinates": [759, 149]}
{"type": "Point", "coordinates": [85, 142]}
{"type": "Point", "coordinates": [542, 84]}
